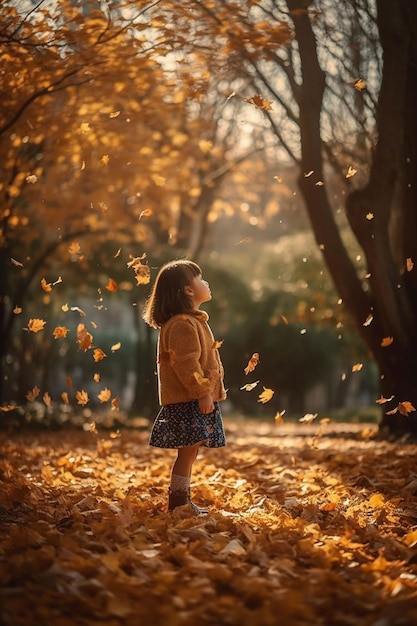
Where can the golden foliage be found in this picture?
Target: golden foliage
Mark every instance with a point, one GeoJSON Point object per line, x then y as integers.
{"type": "Point", "coordinates": [310, 534]}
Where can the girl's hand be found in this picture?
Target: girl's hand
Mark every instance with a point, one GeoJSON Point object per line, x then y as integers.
{"type": "Point", "coordinates": [206, 404]}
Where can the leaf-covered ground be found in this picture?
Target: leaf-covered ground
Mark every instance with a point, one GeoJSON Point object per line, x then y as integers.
{"type": "Point", "coordinates": [305, 528]}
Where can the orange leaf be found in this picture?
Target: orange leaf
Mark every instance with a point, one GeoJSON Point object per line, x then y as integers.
{"type": "Point", "coordinates": [60, 331]}
{"type": "Point", "coordinates": [46, 286]}
{"type": "Point", "coordinates": [33, 394]}
{"type": "Point", "coordinates": [47, 398]}
{"type": "Point", "coordinates": [383, 400]}
{"type": "Point", "coordinates": [145, 213]}
{"type": "Point", "coordinates": [74, 248]}
{"type": "Point", "coordinates": [68, 381]}
{"type": "Point", "coordinates": [217, 344]}
{"type": "Point", "coordinates": [84, 338]}
{"type": "Point", "coordinates": [405, 408]}
{"type": "Point", "coordinates": [410, 265]}
{"type": "Point", "coordinates": [98, 355]}
{"type": "Point", "coordinates": [252, 363]}
{"type": "Point", "coordinates": [249, 386]}
{"type": "Point", "coordinates": [104, 395]}
{"type": "Point", "coordinates": [64, 397]}
{"type": "Point", "coordinates": [387, 341]}
{"type": "Point", "coordinates": [111, 285]}
{"type": "Point", "coordinates": [17, 310]}
{"type": "Point", "coordinates": [357, 367]}
{"type": "Point", "coordinates": [279, 417]}
{"type": "Point", "coordinates": [82, 397]}
{"type": "Point", "coordinates": [115, 403]}
{"type": "Point", "coordinates": [96, 378]}
{"type": "Point", "coordinates": [259, 102]}
{"type": "Point", "coordinates": [36, 324]}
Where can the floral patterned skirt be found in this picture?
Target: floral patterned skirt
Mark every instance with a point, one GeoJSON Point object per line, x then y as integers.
{"type": "Point", "coordinates": [182, 424]}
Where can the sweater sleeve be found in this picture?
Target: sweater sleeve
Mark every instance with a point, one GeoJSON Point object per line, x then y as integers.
{"type": "Point", "coordinates": [183, 344]}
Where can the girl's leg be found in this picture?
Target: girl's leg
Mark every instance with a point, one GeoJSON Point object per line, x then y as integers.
{"type": "Point", "coordinates": [180, 477]}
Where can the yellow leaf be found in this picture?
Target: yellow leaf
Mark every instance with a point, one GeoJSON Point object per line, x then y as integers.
{"type": "Point", "coordinates": [17, 310]}
{"type": "Point", "coordinates": [266, 395]}
{"type": "Point", "coordinates": [357, 367]}
{"type": "Point", "coordinates": [369, 216]}
{"type": "Point", "coordinates": [32, 178]}
{"type": "Point", "coordinates": [105, 159]}
{"type": "Point", "coordinates": [74, 248]}
{"type": "Point", "coordinates": [116, 347]}
{"type": "Point", "coordinates": [376, 501]}
{"type": "Point", "coordinates": [145, 213]}
{"type": "Point", "coordinates": [64, 397]}
{"type": "Point", "coordinates": [359, 84]}
{"type": "Point", "coordinates": [46, 286]}
{"type": "Point", "coordinates": [351, 172]}
{"type": "Point", "coordinates": [96, 377]}
{"type": "Point", "coordinates": [65, 308]}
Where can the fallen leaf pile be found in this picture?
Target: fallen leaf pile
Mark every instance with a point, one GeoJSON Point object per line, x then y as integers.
{"type": "Point", "coordinates": [303, 529]}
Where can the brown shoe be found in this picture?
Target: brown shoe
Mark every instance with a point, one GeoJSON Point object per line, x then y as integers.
{"type": "Point", "coordinates": [176, 498]}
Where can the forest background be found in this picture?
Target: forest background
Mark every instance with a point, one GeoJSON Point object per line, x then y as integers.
{"type": "Point", "coordinates": [263, 139]}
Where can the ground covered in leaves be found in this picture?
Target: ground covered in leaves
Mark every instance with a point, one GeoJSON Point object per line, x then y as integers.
{"type": "Point", "coordinates": [305, 528]}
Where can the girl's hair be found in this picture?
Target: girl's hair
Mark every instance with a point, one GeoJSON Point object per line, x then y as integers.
{"type": "Point", "coordinates": [168, 297]}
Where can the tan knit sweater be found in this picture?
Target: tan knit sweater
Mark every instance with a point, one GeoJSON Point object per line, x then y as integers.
{"type": "Point", "coordinates": [189, 365]}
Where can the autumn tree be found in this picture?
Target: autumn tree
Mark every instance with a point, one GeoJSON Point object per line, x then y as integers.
{"type": "Point", "coordinates": [340, 99]}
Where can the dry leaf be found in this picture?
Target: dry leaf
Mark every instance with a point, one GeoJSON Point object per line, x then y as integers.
{"type": "Point", "coordinates": [266, 395]}
{"type": "Point", "coordinates": [104, 395]}
{"type": "Point", "coordinates": [64, 396]}
{"type": "Point", "coordinates": [217, 344]}
{"type": "Point", "coordinates": [387, 341]}
{"type": "Point", "coordinates": [74, 248]}
{"type": "Point", "coordinates": [308, 418]}
{"type": "Point", "coordinates": [111, 285]}
{"type": "Point", "coordinates": [383, 400]}
{"type": "Point", "coordinates": [16, 263]}
{"type": "Point", "coordinates": [47, 398]}
{"type": "Point", "coordinates": [249, 386]}
{"type": "Point", "coordinates": [351, 171]}
{"type": "Point", "coordinates": [115, 403]}
{"type": "Point", "coordinates": [84, 338]}
{"type": "Point", "coordinates": [98, 355]}
{"type": "Point", "coordinates": [357, 367]}
{"type": "Point", "coordinates": [259, 102]}
{"type": "Point", "coordinates": [17, 310]}
{"type": "Point", "coordinates": [59, 332]}
{"type": "Point", "coordinates": [410, 265]}
{"type": "Point", "coordinates": [35, 325]}
{"type": "Point", "coordinates": [96, 377]}
{"type": "Point", "coordinates": [46, 286]}
{"type": "Point", "coordinates": [116, 347]}
{"type": "Point", "coordinates": [33, 394]}
{"type": "Point", "coordinates": [369, 216]}
{"type": "Point", "coordinates": [368, 320]}
{"type": "Point", "coordinates": [252, 363]}
{"type": "Point", "coordinates": [359, 84]}
{"type": "Point", "coordinates": [78, 310]}
{"type": "Point", "coordinates": [405, 408]}
{"type": "Point", "coordinates": [82, 397]}
{"type": "Point", "coordinates": [279, 417]}
{"type": "Point", "coordinates": [145, 213]}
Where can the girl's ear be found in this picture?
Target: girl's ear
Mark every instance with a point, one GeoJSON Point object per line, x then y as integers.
{"type": "Point", "coordinates": [188, 290]}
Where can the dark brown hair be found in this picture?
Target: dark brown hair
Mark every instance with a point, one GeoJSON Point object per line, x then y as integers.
{"type": "Point", "coordinates": [168, 297]}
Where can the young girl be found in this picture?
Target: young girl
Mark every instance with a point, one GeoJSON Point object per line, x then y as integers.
{"type": "Point", "coordinates": [190, 373]}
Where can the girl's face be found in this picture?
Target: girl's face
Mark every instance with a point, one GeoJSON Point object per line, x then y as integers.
{"type": "Point", "coordinates": [199, 291]}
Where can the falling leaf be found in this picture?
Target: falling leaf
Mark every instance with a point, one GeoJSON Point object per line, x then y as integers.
{"type": "Point", "coordinates": [104, 395]}
{"type": "Point", "coordinates": [65, 308]}
{"type": "Point", "coordinates": [32, 178]}
{"type": "Point", "coordinates": [310, 173]}
{"type": "Point", "coordinates": [368, 320]}
{"type": "Point", "coordinates": [6, 408]}
{"type": "Point", "coordinates": [159, 180]}
{"type": "Point", "coordinates": [351, 172]}
{"type": "Point", "coordinates": [278, 179]}
{"type": "Point", "coordinates": [308, 418]}
{"type": "Point", "coordinates": [64, 396]}
{"type": "Point", "coordinates": [93, 428]}
{"type": "Point", "coordinates": [111, 285]}
{"type": "Point", "coordinates": [405, 408]}
{"type": "Point", "coordinates": [116, 347]}
{"type": "Point", "coordinates": [252, 363]}
{"type": "Point", "coordinates": [142, 271]}
{"type": "Point", "coordinates": [82, 166]}
{"type": "Point", "coordinates": [369, 216]}
{"type": "Point", "coordinates": [117, 253]}
{"type": "Point", "coordinates": [96, 377]}
{"type": "Point", "coordinates": [115, 403]}
{"type": "Point", "coordinates": [357, 367]}
{"type": "Point", "coordinates": [47, 399]}
{"type": "Point", "coordinates": [377, 501]}
{"type": "Point", "coordinates": [113, 115]}
{"type": "Point", "coordinates": [217, 344]}
{"type": "Point", "coordinates": [46, 286]}
{"type": "Point", "coordinates": [266, 395]}
{"type": "Point", "coordinates": [410, 265]}
{"type": "Point", "coordinates": [205, 146]}
{"type": "Point", "coordinates": [319, 183]}
{"type": "Point", "coordinates": [383, 400]}
{"type": "Point", "coordinates": [74, 248]}
{"type": "Point", "coordinates": [249, 386]}
{"type": "Point", "coordinates": [245, 240]}
{"type": "Point", "coordinates": [35, 325]}
{"type": "Point", "coordinates": [359, 84]}
{"type": "Point", "coordinates": [98, 355]}
{"type": "Point", "coordinates": [33, 394]}
{"type": "Point", "coordinates": [82, 397]}
{"type": "Point", "coordinates": [387, 341]}
{"type": "Point", "coordinates": [279, 417]}
{"type": "Point", "coordinates": [58, 281]}
{"type": "Point", "coordinates": [259, 102]}
{"type": "Point", "coordinates": [59, 332]}
{"type": "Point", "coordinates": [145, 213]}
{"type": "Point", "coordinates": [94, 325]}
{"type": "Point", "coordinates": [16, 263]}
{"type": "Point", "coordinates": [17, 310]}
{"type": "Point", "coordinates": [105, 159]}
{"type": "Point", "coordinates": [68, 381]}
{"type": "Point", "coordinates": [84, 338]}
{"type": "Point", "coordinates": [77, 309]}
